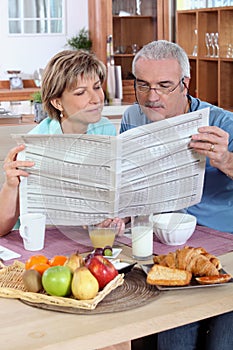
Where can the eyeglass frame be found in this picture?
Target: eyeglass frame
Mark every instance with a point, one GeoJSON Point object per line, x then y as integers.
{"type": "Point", "coordinates": [159, 91]}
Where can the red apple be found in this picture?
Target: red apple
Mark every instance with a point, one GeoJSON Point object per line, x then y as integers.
{"type": "Point", "coordinates": [103, 270]}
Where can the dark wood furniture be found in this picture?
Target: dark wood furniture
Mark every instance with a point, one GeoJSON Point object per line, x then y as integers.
{"type": "Point", "coordinates": [152, 24]}
{"type": "Point", "coordinates": [211, 76]}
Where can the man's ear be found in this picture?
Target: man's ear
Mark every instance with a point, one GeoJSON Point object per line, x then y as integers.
{"type": "Point", "coordinates": [56, 103]}
{"type": "Point", "coordinates": [135, 91]}
{"type": "Point", "coordinates": [186, 82]}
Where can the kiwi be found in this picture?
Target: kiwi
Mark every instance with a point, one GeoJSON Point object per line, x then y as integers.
{"type": "Point", "coordinates": [32, 281]}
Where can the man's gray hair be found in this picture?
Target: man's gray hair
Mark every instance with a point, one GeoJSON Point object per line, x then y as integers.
{"type": "Point", "coordinates": [163, 49]}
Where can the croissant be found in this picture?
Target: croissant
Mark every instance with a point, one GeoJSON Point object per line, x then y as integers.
{"type": "Point", "coordinates": [214, 260]}
{"type": "Point", "coordinates": [195, 260]}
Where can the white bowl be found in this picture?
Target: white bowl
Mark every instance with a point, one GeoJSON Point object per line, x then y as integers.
{"type": "Point", "coordinates": [174, 228]}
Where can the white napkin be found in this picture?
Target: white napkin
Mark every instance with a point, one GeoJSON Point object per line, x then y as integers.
{"type": "Point", "coordinates": [7, 254]}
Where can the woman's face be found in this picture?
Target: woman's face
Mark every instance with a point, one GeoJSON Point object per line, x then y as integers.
{"type": "Point", "coordinates": [84, 103]}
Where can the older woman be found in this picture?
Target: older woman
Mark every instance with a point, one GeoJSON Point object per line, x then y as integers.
{"type": "Point", "coordinates": [73, 97]}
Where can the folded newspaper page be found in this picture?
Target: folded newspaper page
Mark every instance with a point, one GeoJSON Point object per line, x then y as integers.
{"type": "Point", "coordinates": [84, 179]}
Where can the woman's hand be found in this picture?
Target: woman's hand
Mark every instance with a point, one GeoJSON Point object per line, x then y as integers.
{"type": "Point", "coordinates": [11, 165]}
{"type": "Point", "coordinates": [213, 143]}
{"type": "Point", "coordinates": [9, 194]}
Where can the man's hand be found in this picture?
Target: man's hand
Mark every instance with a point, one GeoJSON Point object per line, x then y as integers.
{"type": "Point", "coordinates": [120, 223]}
{"type": "Point", "coordinates": [213, 143]}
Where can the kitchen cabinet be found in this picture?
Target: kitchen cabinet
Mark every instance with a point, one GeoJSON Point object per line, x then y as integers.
{"type": "Point", "coordinates": [211, 72]}
{"type": "Point", "coordinates": [132, 27]}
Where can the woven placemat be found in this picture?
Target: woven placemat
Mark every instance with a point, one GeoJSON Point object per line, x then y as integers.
{"type": "Point", "coordinates": [134, 292]}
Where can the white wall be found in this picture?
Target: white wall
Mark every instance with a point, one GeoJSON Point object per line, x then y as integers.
{"type": "Point", "coordinates": [29, 53]}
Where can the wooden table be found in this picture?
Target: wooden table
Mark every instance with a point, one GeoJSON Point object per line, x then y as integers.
{"type": "Point", "coordinates": [24, 327]}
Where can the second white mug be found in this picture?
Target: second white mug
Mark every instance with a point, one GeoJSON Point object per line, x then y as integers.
{"type": "Point", "coordinates": [32, 230]}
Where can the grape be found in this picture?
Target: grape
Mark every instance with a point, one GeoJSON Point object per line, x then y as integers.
{"type": "Point", "coordinates": [88, 257]}
{"type": "Point", "coordinates": [98, 251]}
{"type": "Point", "coordinates": [107, 251]}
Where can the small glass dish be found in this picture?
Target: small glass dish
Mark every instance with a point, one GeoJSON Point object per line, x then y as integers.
{"type": "Point", "coordinates": [115, 253]}
{"type": "Point", "coordinates": [123, 266]}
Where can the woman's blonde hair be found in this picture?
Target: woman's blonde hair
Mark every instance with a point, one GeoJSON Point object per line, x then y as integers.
{"type": "Point", "coordinates": [62, 72]}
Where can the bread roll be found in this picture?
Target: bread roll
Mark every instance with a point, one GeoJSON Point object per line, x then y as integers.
{"type": "Point", "coordinates": [166, 276]}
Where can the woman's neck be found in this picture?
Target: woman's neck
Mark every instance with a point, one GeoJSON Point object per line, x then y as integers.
{"type": "Point", "coordinates": [71, 127]}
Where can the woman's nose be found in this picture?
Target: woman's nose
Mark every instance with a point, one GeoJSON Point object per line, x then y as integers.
{"type": "Point", "coordinates": [96, 96]}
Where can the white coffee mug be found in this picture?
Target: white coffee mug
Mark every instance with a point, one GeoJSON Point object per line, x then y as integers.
{"type": "Point", "coordinates": [32, 230]}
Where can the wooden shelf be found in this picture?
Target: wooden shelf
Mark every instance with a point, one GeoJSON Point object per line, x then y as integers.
{"type": "Point", "coordinates": [128, 30]}
{"type": "Point", "coordinates": [152, 24]}
{"type": "Point", "coordinates": [211, 77]}
{"type": "Point", "coordinates": [123, 55]}
{"type": "Point", "coordinates": [25, 94]}
{"type": "Point", "coordinates": [131, 17]}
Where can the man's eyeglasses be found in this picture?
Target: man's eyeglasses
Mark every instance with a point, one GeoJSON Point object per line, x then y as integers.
{"type": "Point", "coordinates": [145, 88]}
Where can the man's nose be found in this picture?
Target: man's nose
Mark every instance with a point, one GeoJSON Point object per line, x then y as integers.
{"type": "Point", "coordinates": [152, 93]}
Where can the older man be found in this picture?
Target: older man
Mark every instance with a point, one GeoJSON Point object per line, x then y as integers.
{"type": "Point", "coordinates": [162, 76]}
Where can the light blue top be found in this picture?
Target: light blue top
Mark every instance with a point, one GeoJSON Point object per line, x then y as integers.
{"type": "Point", "coordinates": [50, 126]}
{"type": "Point", "coordinates": [216, 207]}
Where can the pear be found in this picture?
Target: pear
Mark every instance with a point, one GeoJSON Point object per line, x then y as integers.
{"type": "Point", "coordinates": [84, 285]}
{"type": "Point", "coordinates": [74, 261]}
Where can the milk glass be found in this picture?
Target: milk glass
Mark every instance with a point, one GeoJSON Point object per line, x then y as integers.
{"type": "Point", "coordinates": [142, 236]}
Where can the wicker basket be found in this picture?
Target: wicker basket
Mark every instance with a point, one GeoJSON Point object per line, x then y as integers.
{"type": "Point", "coordinates": [11, 286]}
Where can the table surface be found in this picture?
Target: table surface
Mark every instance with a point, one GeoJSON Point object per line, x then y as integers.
{"type": "Point", "coordinates": [25, 119]}
{"type": "Point", "coordinates": [22, 326]}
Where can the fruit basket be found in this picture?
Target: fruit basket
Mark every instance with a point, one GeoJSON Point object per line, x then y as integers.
{"type": "Point", "coordinates": [12, 286]}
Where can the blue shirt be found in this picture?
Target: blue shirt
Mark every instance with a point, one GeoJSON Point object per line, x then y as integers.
{"type": "Point", "coordinates": [216, 207]}
{"type": "Point", "coordinates": [50, 126]}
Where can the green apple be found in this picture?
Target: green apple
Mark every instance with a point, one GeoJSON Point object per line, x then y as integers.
{"type": "Point", "coordinates": [56, 280]}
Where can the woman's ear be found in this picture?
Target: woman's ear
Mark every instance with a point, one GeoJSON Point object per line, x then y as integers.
{"type": "Point", "coordinates": [56, 103]}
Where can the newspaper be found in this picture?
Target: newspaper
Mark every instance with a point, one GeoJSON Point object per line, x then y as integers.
{"type": "Point", "coordinates": [83, 179]}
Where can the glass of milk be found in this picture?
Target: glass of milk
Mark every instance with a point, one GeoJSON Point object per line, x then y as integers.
{"type": "Point", "coordinates": [142, 236]}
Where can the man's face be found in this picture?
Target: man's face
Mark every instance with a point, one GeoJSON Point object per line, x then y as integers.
{"type": "Point", "coordinates": [161, 74]}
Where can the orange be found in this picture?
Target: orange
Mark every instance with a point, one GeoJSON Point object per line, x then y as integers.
{"type": "Point", "coordinates": [35, 259]}
{"type": "Point", "coordinates": [58, 260]}
{"type": "Point", "coordinates": [40, 267]}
